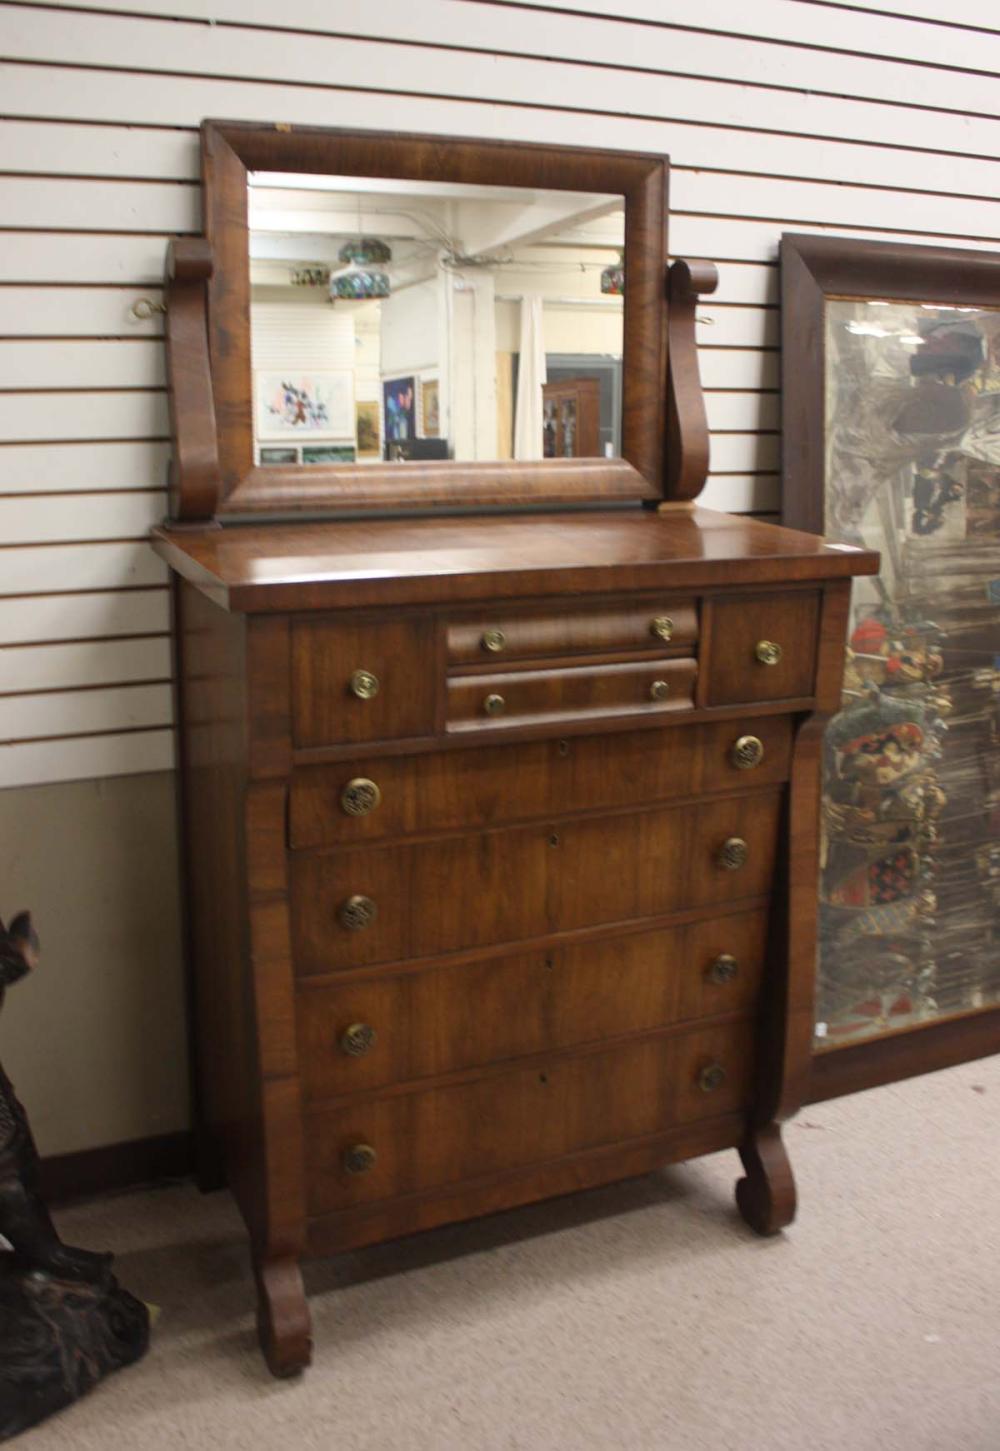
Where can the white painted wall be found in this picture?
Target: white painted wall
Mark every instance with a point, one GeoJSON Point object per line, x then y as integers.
{"type": "Point", "coordinates": [869, 119]}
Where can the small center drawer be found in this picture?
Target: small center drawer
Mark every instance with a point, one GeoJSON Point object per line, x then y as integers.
{"type": "Point", "coordinates": [650, 624]}
{"type": "Point", "coordinates": [477, 701]}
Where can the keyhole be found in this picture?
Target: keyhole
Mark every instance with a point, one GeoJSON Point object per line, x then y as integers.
{"type": "Point", "coordinates": [563, 748]}
{"type": "Point", "coordinates": [543, 1078]}
{"type": "Point", "coordinates": [554, 839]}
{"type": "Point", "coordinates": [550, 963]}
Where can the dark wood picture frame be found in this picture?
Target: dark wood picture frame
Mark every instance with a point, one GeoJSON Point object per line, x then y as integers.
{"type": "Point", "coordinates": [813, 269]}
{"type": "Point", "coordinates": [231, 149]}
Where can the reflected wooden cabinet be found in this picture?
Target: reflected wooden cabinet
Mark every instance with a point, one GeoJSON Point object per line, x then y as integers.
{"type": "Point", "coordinates": [571, 418]}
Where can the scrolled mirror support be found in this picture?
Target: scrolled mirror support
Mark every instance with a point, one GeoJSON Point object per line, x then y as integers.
{"type": "Point", "coordinates": [193, 489]}
{"type": "Point", "coordinates": [687, 421]}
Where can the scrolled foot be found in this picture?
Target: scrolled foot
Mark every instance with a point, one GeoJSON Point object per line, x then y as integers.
{"type": "Point", "coordinates": [283, 1321]}
{"type": "Point", "coordinates": [766, 1197]}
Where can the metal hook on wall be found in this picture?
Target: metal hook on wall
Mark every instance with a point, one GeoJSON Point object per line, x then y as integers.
{"type": "Point", "coordinates": [145, 307]}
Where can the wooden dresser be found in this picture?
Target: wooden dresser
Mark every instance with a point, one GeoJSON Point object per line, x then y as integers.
{"type": "Point", "coordinates": [501, 849]}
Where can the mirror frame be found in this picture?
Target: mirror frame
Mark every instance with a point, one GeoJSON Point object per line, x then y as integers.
{"type": "Point", "coordinates": [230, 149]}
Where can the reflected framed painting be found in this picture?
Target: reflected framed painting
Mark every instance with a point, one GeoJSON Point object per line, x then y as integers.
{"type": "Point", "coordinates": [891, 439]}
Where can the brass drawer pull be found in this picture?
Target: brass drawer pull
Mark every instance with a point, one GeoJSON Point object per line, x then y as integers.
{"type": "Point", "coordinates": [359, 1158]}
{"type": "Point", "coordinates": [357, 913]}
{"type": "Point", "coordinates": [661, 627]}
{"type": "Point", "coordinates": [659, 690]}
{"type": "Point", "coordinates": [747, 753]}
{"type": "Point", "coordinates": [360, 796]}
{"type": "Point", "coordinates": [768, 652]}
{"type": "Point", "coordinates": [364, 684]}
{"type": "Point", "coordinates": [494, 705]}
{"type": "Point", "coordinates": [494, 641]}
{"type": "Point", "coordinates": [733, 854]}
{"type": "Point", "coordinates": [357, 1040]}
{"type": "Point", "coordinates": [711, 1078]}
{"type": "Point", "coordinates": [723, 969]}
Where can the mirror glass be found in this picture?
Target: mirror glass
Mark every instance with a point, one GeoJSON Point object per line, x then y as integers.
{"type": "Point", "coordinates": [395, 320]}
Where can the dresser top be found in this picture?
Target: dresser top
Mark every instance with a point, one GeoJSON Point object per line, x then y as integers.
{"type": "Point", "coordinates": [340, 564]}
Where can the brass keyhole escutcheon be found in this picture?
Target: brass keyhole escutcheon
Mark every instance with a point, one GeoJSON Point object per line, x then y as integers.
{"type": "Point", "coordinates": [364, 685]}
{"type": "Point", "coordinates": [733, 854]}
{"type": "Point", "coordinates": [360, 796]}
{"type": "Point", "coordinates": [357, 913]}
{"type": "Point", "coordinates": [357, 1040]}
{"type": "Point", "coordinates": [711, 1078]}
{"type": "Point", "coordinates": [768, 652]}
{"type": "Point", "coordinates": [662, 628]}
{"type": "Point", "coordinates": [494, 641]}
{"type": "Point", "coordinates": [359, 1158]}
{"type": "Point", "coordinates": [494, 705]}
{"type": "Point", "coordinates": [723, 969]}
{"type": "Point", "coordinates": [747, 753]}
{"type": "Point", "coordinates": [659, 690]}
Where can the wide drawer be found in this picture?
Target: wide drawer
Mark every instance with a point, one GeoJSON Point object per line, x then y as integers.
{"type": "Point", "coordinates": [367, 1033]}
{"type": "Point", "coordinates": [763, 647]}
{"type": "Point", "coordinates": [362, 680]}
{"type": "Point", "coordinates": [512, 698]}
{"type": "Point", "coordinates": [654, 623]}
{"type": "Point", "coordinates": [372, 797]}
{"type": "Point", "coordinates": [355, 907]}
{"type": "Point", "coordinates": [381, 1147]}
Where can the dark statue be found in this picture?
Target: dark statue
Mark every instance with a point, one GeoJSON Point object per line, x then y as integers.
{"type": "Point", "coordinates": [65, 1322]}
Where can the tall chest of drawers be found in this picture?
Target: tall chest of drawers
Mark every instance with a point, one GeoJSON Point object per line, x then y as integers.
{"type": "Point", "coordinates": [501, 847]}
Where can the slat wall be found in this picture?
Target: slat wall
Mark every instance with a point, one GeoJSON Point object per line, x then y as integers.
{"type": "Point", "coordinates": [871, 119]}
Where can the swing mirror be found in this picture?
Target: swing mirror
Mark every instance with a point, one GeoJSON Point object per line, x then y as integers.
{"type": "Point", "coordinates": [404, 322]}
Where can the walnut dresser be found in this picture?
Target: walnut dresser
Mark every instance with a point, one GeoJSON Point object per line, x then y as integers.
{"type": "Point", "coordinates": [499, 776]}
{"type": "Point", "coordinates": [502, 846]}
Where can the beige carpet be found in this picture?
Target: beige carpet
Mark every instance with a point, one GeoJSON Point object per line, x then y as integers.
{"type": "Point", "coordinates": [641, 1316]}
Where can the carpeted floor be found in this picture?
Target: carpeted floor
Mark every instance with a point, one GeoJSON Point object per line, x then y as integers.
{"type": "Point", "coordinates": [640, 1316]}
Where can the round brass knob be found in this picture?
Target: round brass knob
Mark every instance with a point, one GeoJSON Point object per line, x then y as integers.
{"type": "Point", "coordinates": [360, 796]}
{"type": "Point", "coordinates": [364, 684]}
{"type": "Point", "coordinates": [661, 627]}
{"type": "Point", "coordinates": [723, 969]}
{"type": "Point", "coordinates": [357, 1040]}
{"type": "Point", "coordinates": [711, 1077]}
{"type": "Point", "coordinates": [768, 652]}
{"type": "Point", "coordinates": [359, 1158]}
{"type": "Point", "coordinates": [357, 913]}
{"type": "Point", "coordinates": [494, 705]}
{"type": "Point", "coordinates": [494, 641]}
{"type": "Point", "coordinates": [733, 854]}
{"type": "Point", "coordinates": [747, 752]}
{"type": "Point", "coordinates": [659, 690]}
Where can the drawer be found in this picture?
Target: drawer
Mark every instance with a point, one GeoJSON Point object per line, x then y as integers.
{"type": "Point", "coordinates": [763, 647]}
{"type": "Point", "coordinates": [655, 623]}
{"type": "Point", "coordinates": [360, 906]}
{"type": "Point", "coordinates": [370, 798]}
{"type": "Point", "coordinates": [382, 1147]}
{"type": "Point", "coordinates": [357, 680]}
{"type": "Point", "coordinates": [654, 687]}
{"type": "Point", "coordinates": [369, 1033]}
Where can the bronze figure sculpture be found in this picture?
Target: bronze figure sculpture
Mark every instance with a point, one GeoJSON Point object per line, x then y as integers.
{"type": "Point", "coordinates": [65, 1322]}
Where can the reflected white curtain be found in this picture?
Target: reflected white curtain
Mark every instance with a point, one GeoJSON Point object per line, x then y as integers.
{"type": "Point", "coordinates": [530, 378]}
